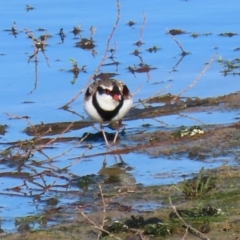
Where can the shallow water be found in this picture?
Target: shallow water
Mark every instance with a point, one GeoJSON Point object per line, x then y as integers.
{"type": "Point", "coordinates": [54, 87]}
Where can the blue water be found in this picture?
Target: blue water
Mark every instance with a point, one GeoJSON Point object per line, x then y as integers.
{"type": "Point", "coordinates": [54, 88]}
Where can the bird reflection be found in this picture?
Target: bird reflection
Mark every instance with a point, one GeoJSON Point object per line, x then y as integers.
{"type": "Point", "coordinates": [117, 173]}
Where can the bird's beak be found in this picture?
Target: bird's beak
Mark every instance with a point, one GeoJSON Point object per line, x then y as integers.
{"type": "Point", "coordinates": [117, 97]}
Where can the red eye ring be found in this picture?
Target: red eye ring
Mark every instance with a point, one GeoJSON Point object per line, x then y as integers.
{"type": "Point", "coordinates": [107, 91]}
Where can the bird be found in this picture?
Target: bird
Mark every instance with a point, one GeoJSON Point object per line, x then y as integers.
{"type": "Point", "coordinates": [106, 101]}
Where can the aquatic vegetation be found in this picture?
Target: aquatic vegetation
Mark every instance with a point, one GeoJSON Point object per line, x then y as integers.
{"type": "Point", "coordinates": [198, 186]}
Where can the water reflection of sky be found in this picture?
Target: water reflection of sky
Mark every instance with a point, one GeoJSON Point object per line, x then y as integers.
{"type": "Point", "coordinates": [54, 88]}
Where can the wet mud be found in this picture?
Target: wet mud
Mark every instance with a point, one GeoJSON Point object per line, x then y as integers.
{"type": "Point", "coordinates": [146, 211]}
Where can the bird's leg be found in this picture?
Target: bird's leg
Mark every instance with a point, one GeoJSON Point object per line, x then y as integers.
{"type": "Point", "coordinates": [116, 135]}
{"type": "Point", "coordinates": [121, 159]}
{"type": "Point", "coordinates": [104, 135]}
{"type": "Point", "coordinates": [107, 145]}
{"type": "Point", "coordinates": [105, 161]}
{"type": "Point", "coordinates": [115, 158]}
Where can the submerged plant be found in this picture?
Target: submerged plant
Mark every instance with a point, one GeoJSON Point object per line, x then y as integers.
{"type": "Point", "coordinates": [192, 131]}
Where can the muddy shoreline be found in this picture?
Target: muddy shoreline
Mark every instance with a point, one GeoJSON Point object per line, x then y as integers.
{"type": "Point", "coordinates": [224, 197]}
{"type": "Point", "coordinates": [211, 142]}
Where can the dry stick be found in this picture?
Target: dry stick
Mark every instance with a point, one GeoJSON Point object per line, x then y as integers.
{"type": "Point", "coordinates": [36, 61]}
{"type": "Point", "coordinates": [174, 67]}
{"type": "Point", "coordinates": [196, 80]}
{"type": "Point", "coordinates": [29, 123]}
{"type": "Point", "coordinates": [36, 77]}
{"type": "Point", "coordinates": [159, 121]}
{"type": "Point", "coordinates": [45, 187]}
{"type": "Point", "coordinates": [44, 44]}
{"type": "Point", "coordinates": [195, 231]}
{"type": "Point", "coordinates": [114, 51]}
{"type": "Point", "coordinates": [155, 95]}
{"type": "Point", "coordinates": [127, 149]}
{"type": "Point", "coordinates": [145, 100]}
{"type": "Point", "coordinates": [138, 233]}
{"type": "Point", "coordinates": [136, 91]}
{"type": "Point", "coordinates": [82, 155]}
{"type": "Point", "coordinates": [140, 42]}
{"type": "Point", "coordinates": [39, 149]}
{"type": "Point", "coordinates": [104, 209]}
{"type": "Point", "coordinates": [185, 234]}
{"type": "Point", "coordinates": [141, 31]}
{"type": "Point", "coordinates": [99, 227]}
{"type": "Point", "coordinates": [64, 153]}
{"type": "Point", "coordinates": [70, 149]}
{"type": "Point", "coordinates": [19, 117]}
{"type": "Point", "coordinates": [67, 151]}
{"type": "Point", "coordinates": [195, 119]}
{"type": "Point", "coordinates": [37, 41]}
{"type": "Point", "coordinates": [102, 60]}
{"type": "Point", "coordinates": [57, 137]}
{"type": "Point", "coordinates": [52, 140]}
{"type": "Point", "coordinates": [179, 45]}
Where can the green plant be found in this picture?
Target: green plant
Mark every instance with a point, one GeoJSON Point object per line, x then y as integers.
{"type": "Point", "coordinates": [198, 186]}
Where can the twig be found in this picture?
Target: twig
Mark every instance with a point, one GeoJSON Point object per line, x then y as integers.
{"type": "Point", "coordinates": [113, 51]}
{"type": "Point", "coordinates": [193, 118]}
{"type": "Point", "coordinates": [82, 155]}
{"type": "Point", "coordinates": [25, 118]}
{"type": "Point", "coordinates": [159, 121]}
{"type": "Point", "coordinates": [102, 60]}
{"type": "Point", "coordinates": [67, 151]}
{"type": "Point", "coordinates": [141, 32]}
{"type": "Point", "coordinates": [104, 210]}
{"type": "Point", "coordinates": [38, 46]}
{"type": "Point", "coordinates": [179, 45]}
{"type": "Point", "coordinates": [36, 78]}
{"type": "Point", "coordinates": [153, 96]}
{"type": "Point", "coordinates": [185, 234]}
{"type": "Point", "coordinates": [38, 137]}
{"type": "Point", "coordinates": [138, 233]}
{"type": "Point", "coordinates": [104, 205]}
{"type": "Point", "coordinates": [57, 137]}
{"type": "Point", "coordinates": [195, 231]}
{"type": "Point", "coordinates": [178, 62]}
{"type": "Point", "coordinates": [196, 80]}
{"type": "Point", "coordinates": [99, 227]}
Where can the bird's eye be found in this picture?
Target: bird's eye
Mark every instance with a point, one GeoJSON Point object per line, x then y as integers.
{"type": "Point", "coordinates": [107, 91]}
